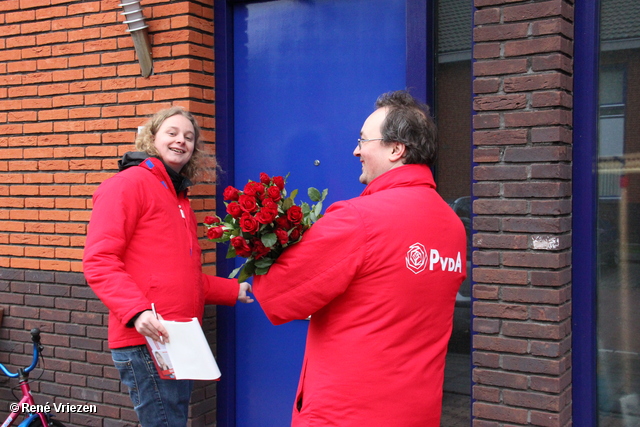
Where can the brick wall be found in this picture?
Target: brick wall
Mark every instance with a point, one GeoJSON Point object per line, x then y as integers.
{"type": "Point", "coordinates": [522, 169]}
{"type": "Point", "coordinates": [71, 99]}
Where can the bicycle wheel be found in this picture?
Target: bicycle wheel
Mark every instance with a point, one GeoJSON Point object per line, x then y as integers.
{"type": "Point", "coordinates": [52, 423]}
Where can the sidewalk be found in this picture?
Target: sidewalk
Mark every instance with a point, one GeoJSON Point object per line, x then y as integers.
{"type": "Point", "coordinates": [456, 402]}
{"type": "Point", "coordinates": [456, 410]}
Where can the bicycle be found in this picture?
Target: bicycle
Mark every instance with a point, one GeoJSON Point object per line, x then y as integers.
{"type": "Point", "coordinates": [37, 417]}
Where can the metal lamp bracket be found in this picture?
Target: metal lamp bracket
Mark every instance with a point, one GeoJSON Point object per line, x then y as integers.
{"type": "Point", "coordinates": [138, 29]}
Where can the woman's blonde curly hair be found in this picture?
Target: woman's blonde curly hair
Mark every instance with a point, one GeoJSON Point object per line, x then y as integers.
{"type": "Point", "coordinates": [201, 165]}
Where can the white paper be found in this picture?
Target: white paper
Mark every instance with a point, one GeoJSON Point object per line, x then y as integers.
{"type": "Point", "coordinates": [189, 351]}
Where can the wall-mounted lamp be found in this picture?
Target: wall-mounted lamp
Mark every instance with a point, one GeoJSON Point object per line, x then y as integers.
{"type": "Point", "coordinates": [138, 29]}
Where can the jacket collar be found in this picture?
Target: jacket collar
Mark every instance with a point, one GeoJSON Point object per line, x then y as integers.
{"type": "Point", "coordinates": [402, 176]}
{"type": "Point", "coordinates": [157, 168]}
{"type": "Point", "coordinates": [165, 175]}
{"type": "Point", "coordinates": [131, 158]}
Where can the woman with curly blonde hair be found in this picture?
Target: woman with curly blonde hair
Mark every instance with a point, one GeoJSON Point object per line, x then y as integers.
{"type": "Point", "coordinates": [142, 252]}
{"type": "Point", "coordinates": [199, 165]}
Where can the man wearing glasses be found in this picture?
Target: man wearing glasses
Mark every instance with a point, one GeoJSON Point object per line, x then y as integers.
{"type": "Point", "coordinates": [378, 274]}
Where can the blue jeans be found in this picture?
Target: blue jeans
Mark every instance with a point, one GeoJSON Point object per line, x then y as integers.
{"type": "Point", "coordinates": [157, 402]}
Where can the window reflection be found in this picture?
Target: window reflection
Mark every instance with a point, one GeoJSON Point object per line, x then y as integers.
{"type": "Point", "coordinates": [619, 216]}
{"type": "Point", "coordinates": [453, 116]}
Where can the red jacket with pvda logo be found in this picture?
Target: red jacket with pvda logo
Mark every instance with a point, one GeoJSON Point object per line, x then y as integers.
{"type": "Point", "coordinates": [379, 275]}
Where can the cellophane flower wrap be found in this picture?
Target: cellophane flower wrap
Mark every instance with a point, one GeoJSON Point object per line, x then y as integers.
{"type": "Point", "coordinates": [262, 220]}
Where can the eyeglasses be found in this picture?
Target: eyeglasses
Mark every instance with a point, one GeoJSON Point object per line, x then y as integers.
{"type": "Point", "coordinates": [361, 141]}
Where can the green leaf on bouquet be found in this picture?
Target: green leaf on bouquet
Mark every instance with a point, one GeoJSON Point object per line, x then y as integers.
{"type": "Point", "coordinates": [231, 253]}
{"type": "Point", "coordinates": [324, 194]}
{"type": "Point", "coordinates": [243, 276]}
{"type": "Point", "coordinates": [305, 208]}
{"type": "Point", "coordinates": [235, 271]}
{"type": "Point", "coordinates": [314, 194]}
{"type": "Point", "coordinates": [269, 239]}
{"type": "Point", "coordinates": [248, 271]}
{"type": "Point", "coordinates": [317, 209]}
{"type": "Point", "coordinates": [264, 263]}
{"type": "Point", "coordinates": [263, 270]}
{"type": "Point", "coordinates": [288, 202]}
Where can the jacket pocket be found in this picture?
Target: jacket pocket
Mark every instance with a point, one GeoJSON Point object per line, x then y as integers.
{"type": "Point", "coordinates": [300, 393]}
{"type": "Point", "coordinates": [150, 287]}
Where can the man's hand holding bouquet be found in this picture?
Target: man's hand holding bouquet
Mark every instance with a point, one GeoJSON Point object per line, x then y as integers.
{"type": "Point", "coordinates": [262, 221]}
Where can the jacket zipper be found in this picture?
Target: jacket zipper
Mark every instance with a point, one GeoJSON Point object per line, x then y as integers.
{"type": "Point", "coordinates": [188, 234]}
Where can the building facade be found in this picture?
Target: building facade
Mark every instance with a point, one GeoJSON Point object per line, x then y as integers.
{"type": "Point", "coordinates": [535, 104]}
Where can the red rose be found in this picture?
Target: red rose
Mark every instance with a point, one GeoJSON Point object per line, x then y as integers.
{"type": "Point", "coordinates": [248, 203]}
{"type": "Point", "coordinates": [266, 215]}
{"type": "Point", "coordinates": [283, 223]}
{"type": "Point", "coordinates": [259, 249]}
{"type": "Point", "coordinates": [283, 236]}
{"type": "Point", "coordinates": [231, 193]}
{"type": "Point", "coordinates": [264, 178]}
{"type": "Point", "coordinates": [295, 235]}
{"type": "Point", "coordinates": [248, 223]}
{"type": "Point", "coordinates": [269, 203]}
{"type": "Point", "coordinates": [209, 220]}
{"type": "Point", "coordinates": [215, 232]}
{"type": "Point", "coordinates": [294, 214]}
{"type": "Point", "coordinates": [279, 182]}
{"type": "Point", "coordinates": [241, 246]}
{"type": "Point", "coordinates": [253, 188]}
{"type": "Point", "coordinates": [234, 209]}
{"type": "Point", "coordinates": [274, 193]}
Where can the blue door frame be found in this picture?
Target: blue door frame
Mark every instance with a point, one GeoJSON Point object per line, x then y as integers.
{"type": "Point", "coordinates": [420, 36]}
{"type": "Point", "coordinates": [585, 196]}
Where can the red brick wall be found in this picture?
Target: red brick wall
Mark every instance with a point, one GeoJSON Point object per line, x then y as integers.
{"type": "Point", "coordinates": [522, 153]}
{"type": "Point", "coordinates": [71, 98]}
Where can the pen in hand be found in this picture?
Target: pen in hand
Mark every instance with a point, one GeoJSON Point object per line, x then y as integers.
{"type": "Point", "coordinates": [149, 324]}
{"type": "Point", "coordinates": [153, 309]}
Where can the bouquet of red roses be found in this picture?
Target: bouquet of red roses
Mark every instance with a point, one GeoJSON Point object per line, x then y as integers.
{"type": "Point", "coordinates": [261, 221]}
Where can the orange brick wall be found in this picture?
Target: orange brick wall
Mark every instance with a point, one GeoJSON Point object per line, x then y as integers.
{"type": "Point", "coordinates": [71, 98]}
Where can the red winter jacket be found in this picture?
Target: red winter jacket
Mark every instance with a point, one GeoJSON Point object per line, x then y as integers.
{"type": "Point", "coordinates": [142, 248]}
{"type": "Point", "coordinates": [379, 275]}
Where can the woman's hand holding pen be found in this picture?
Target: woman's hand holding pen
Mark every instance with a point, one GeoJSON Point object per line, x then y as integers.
{"type": "Point", "coordinates": [148, 325]}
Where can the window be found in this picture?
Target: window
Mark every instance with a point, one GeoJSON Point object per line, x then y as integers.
{"type": "Point", "coordinates": [618, 220]}
{"type": "Point", "coordinates": [453, 176]}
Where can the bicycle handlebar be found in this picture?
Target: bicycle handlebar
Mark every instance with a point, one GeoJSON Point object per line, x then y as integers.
{"type": "Point", "coordinates": [37, 348]}
{"type": "Point", "coordinates": [35, 335]}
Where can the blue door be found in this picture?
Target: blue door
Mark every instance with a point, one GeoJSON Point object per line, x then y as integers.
{"type": "Point", "coordinates": [305, 75]}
